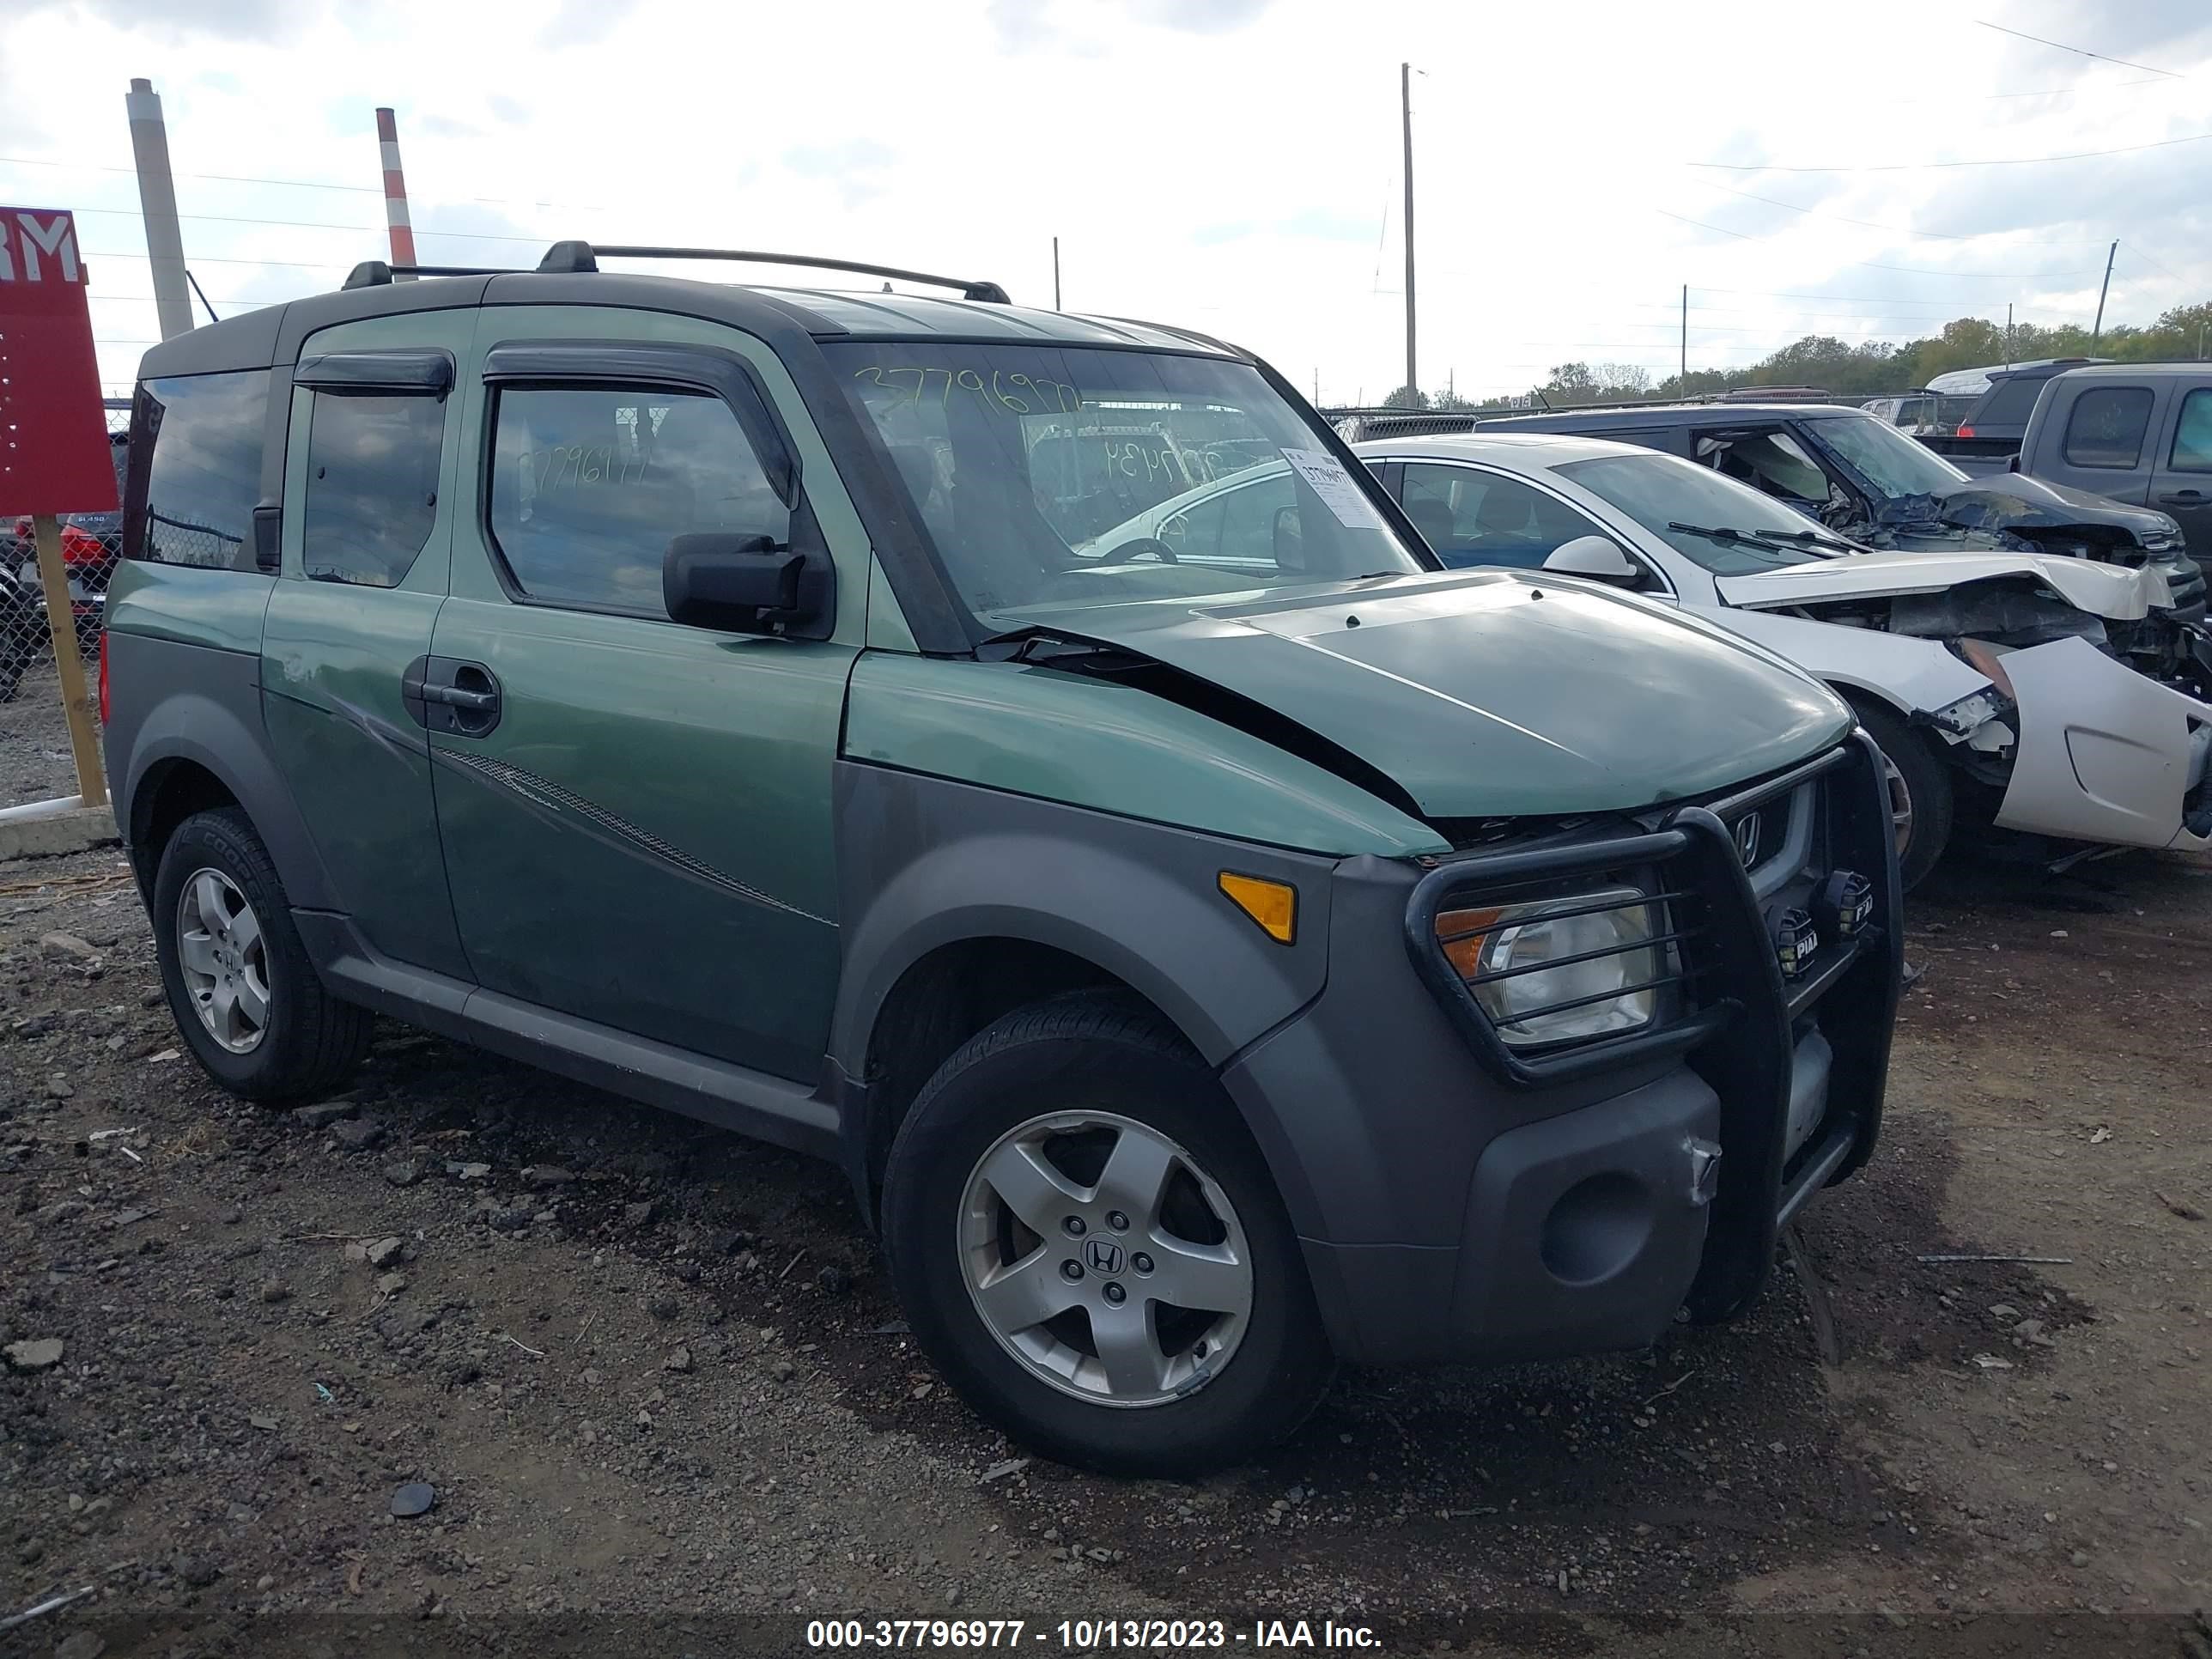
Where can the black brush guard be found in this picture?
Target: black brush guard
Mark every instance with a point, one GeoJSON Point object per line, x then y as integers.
{"type": "Point", "coordinates": [1737, 1017]}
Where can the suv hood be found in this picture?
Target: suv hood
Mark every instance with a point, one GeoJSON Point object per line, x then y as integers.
{"type": "Point", "coordinates": [1489, 694]}
{"type": "Point", "coordinates": [2013, 502]}
{"type": "Point", "coordinates": [2117, 592]}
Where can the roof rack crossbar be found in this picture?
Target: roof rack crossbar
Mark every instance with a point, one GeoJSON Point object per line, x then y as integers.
{"type": "Point", "coordinates": [580, 256]}
{"type": "Point", "coordinates": [374, 273]}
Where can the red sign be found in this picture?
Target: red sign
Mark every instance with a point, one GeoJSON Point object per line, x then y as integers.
{"type": "Point", "coordinates": [54, 437]}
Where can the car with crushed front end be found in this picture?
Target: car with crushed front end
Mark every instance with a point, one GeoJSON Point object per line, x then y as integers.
{"type": "Point", "coordinates": [1206, 968]}
{"type": "Point", "coordinates": [2049, 697]}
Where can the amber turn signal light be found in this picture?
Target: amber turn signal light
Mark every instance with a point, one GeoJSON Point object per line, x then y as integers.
{"type": "Point", "coordinates": [1273, 904]}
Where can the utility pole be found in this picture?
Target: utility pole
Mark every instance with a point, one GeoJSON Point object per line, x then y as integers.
{"type": "Point", "coordinates": [2100, 327]}
{"type": "Point", "coordinates": [2007, 334]}
{"type": "Point", "coordinates": [1685, 337]}
{"type": "Point", "coordinates": [157, 204]}
{"type": "Point", "coordinates": [1405, 120]}
{"type": "Point", "coordinates": [1055, 273]}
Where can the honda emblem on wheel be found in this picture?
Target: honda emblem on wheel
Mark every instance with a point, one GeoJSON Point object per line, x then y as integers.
{"type": "Point", "coordinates": [1103, 1254]}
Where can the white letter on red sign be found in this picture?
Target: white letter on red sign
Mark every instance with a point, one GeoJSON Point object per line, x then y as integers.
{"type": "Point", "coordinates": [57, 239]}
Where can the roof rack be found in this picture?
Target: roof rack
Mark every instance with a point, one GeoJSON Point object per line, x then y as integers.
{"type": "Point", "coordinates": [578, 256]}
{"type": "Point", "coordinates": [374, 273]}
{"type": "Point", "coordinates": [574, 257]}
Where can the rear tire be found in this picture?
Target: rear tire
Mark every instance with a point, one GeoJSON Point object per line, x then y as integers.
{"type": "Point", "coordinates": [1921, 789]}
{"type": "Point", "coordinates": [1189, 1386]}
{"type": "Point", "coordinates": [246, 1000]}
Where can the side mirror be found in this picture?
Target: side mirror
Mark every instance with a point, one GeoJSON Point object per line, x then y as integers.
{"type": "Point", "coordinates": [747, 584]}
{"type": "Point", "coordinates": [1290, 540]}
{"type": "Point", "coordinates": [1598, 557]}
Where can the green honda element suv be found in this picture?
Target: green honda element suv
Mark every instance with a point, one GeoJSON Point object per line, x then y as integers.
{"type": "Point", "coordinates": [1214, 951]}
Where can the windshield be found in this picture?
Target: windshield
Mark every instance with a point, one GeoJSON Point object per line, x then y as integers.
{"type": "Point", "coordinates": [1055, 476]}
{"type": "Point", "coordinates": [1658, 491]}
{"type": "Point", "coordinates": [1892, 463]}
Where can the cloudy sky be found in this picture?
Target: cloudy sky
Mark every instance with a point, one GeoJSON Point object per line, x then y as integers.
{"type": "Point", "coordinates": [1229, 165]}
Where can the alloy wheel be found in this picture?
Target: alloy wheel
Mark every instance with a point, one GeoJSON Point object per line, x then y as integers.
{"type": "Point", "coordinates": [224, 960]}
{"type": "Point", "coordinates": [1900, 795]}
{"type": "Point", "coordinates": [1105, 1259]}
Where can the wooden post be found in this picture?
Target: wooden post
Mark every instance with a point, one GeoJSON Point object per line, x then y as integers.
{"type": "Point", "coordinates": [77, 702]}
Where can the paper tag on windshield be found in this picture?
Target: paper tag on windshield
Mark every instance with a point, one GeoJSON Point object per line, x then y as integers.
{"type": "Point", "coordinates": [1336, 487]}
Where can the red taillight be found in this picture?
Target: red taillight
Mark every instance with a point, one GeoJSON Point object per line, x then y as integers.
{"type": "Point", "coordinates": [1966, 432]}
{"type": "Point", "coordinates": [103, 677]}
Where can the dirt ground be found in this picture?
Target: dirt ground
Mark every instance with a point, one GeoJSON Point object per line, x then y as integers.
{"type": "Point", "coordinates": [655, 1378]}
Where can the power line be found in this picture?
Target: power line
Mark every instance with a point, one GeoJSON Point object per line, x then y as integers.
{"type": "Point", "coordinates": [1870, 264]}
{"type": "Point", "coordinates": [213, 259]}
{"type": "Point", "coordinates": [1900, 230]}
{"type": "Point", "coordinates": [288, 184]}
{"type": "Point", "coordinates": [322, 224]}
{"type": "Point", "coordinates": [1993, 162]}
{"type": "Point", "coordinates": [2079, 52]}
{"type": "Point", "coordinates": [2136, 250]}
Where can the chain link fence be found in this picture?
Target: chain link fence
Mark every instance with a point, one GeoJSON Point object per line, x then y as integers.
{"type": "Point", "coordinates": [35, 747]}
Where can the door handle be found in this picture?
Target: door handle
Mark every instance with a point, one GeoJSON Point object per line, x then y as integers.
{"type": "Point", "coordinates": [2182, 498]}
{"type": "Point", "coordinates": [461, 698]}
{"type": "Point", "coordinates": [458, 696]}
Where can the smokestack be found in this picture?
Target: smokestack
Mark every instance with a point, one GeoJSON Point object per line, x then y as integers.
{"type": "Point", "coordinates": [395, 192]}
{"type": "Point", "coordinates": [157, 203]}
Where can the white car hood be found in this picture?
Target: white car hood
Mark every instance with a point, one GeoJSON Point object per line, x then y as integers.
{"type": "Point", "coordinates": [2113, 592]}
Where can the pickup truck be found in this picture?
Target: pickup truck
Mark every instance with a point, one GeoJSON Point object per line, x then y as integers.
{"type": "Point", "coordinates": [2139, 433]}
{"type": "Point", "coordinates": [1987, 433]}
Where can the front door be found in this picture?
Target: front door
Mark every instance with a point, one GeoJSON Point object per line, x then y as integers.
{"type": "Point", "coordinates": [374, 446]}
{"type": "Point", "coordinates": [635, 813]}
{"type": "Point", "coordinates": [2182, 483]}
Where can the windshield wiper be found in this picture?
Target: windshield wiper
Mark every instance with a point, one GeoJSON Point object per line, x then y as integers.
{"type": "Point", "coordinates": [1812, 538]}
{"type": "Point", "coordinates": [1740, 538]}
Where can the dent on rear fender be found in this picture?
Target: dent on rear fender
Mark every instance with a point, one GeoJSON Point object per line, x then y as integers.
{"type": "Point", "coordinates": [2105, 751]}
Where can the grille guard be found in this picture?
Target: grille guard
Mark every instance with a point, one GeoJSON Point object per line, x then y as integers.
{"type": "Point", "coordinates": [1735, 1029]}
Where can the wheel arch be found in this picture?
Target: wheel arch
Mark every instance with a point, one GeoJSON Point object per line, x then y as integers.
{"type": "Point", "coordinates": [192, 752]}
{"type": "Point", "coordinates": [1000, 900]}
{"type": "Point", "coordinates": [942, 998]}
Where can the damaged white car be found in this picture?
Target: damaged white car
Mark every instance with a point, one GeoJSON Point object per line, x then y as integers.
{"type": "Point", "coordinates": [2053, 696]}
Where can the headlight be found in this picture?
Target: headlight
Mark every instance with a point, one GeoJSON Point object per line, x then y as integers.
{"type": "Point", "coordinates": [1562, 969]}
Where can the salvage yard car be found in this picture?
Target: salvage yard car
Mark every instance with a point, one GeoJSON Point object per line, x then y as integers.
{"type": "Point", "coordinates": [1866, 482]}
{"type": "Point", "coordinates": [1208, 963]}
{"type": "Point", "coordinates": [2138, 433]}
{"type": "Point", "coordinates": [2055, 690]}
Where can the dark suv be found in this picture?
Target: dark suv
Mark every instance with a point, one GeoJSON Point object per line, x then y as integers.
{"type": "Point", "coordinates": [1211, 951]}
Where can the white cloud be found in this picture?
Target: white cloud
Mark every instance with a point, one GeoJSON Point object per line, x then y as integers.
{"type": "Point", "coordinates": [1224, 164]}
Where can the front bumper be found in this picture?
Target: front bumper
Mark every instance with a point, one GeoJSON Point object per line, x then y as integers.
{"type": "Point", "coordinates": [1453, 1206]}
{"type": "Point", "coordinates": [2105, 754]}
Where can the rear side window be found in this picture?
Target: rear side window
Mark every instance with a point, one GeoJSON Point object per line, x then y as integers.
{"type": "Point", "coordinates": [589, 484]}
{"type": "Point", "coordinates": [202, 435]}
{"type": "Point", "coordinates": [2107, 427]}
{"type": "Point", "coordinates": [1472, 517]}
{"type": "Point", "coordinates": [371, 486]}
{"type": "Point", "coordinates": [1236, 527]}
{"type": "Point", "coordinates": [2192, 436]}
{"type": "Point", "coordinates": [2010, 401]}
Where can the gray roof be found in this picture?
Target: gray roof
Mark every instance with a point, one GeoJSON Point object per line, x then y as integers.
{"type": "Point", "coordinates": [258, 339]}
{"type": "Point", "coordinates": [2138, 371]}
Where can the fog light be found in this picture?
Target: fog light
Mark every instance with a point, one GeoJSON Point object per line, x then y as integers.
{"type": "Point", "coordinates": [1845, 902]}
{"type": "Point", "coordinates": [1795, 942]}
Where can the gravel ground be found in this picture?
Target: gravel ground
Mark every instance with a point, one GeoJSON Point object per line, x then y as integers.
{"type": "Point", "coordinates": [34, 746]}
{"type": "Point", "coordinates": [655, 1378]}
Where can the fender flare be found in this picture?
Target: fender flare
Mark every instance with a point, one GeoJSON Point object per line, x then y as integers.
{"type": "Point", "coordinates": [1202, 963]}
{"type": "Point", "coordinates": [195, 727]}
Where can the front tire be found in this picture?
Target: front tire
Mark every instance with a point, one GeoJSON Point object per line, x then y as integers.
{"type": "Point", "coordinates": [1089, 1246]}
{"type": "Point", "coordinates": [245, 999]}
{"type": "Point", "coordinates": [1922, 797]}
